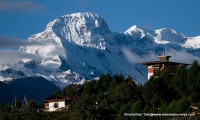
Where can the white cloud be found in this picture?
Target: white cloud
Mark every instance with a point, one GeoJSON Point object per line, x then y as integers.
{"type": "Point", "coordinates": [19, 5]}
{"type": "Point", "coordinates": [10, 43]}
{"type": "Point", "coordinates": [13, 56]}
{"type": "Point", "coordinates": [177, 56]}
{"type": "Point", "coordinates": [6, 43]}
{"type": "Point", "coordinates": [134, 58]}
{"type": "Point", "coordinates": [182, 56]}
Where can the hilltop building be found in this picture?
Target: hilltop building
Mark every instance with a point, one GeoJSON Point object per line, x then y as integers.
{"type": "Point", "coordinates": [57, 103]}
{"type": "Point", "coordinates": [155, 67]}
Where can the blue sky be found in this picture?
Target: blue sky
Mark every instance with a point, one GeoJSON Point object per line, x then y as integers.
{"type": "Point", "coordinates": [22, 18]}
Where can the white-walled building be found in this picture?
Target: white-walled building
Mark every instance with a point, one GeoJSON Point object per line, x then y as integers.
{"type": "Point", "coordinates": [57, 103]}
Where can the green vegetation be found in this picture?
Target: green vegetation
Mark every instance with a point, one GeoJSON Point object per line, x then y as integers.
{"type": "Point", "coordinates": [112, 96]}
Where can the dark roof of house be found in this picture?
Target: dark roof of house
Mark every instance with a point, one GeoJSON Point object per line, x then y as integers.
{"type": "Point", "coordinates": [58, 98]}
{"type": "Point", "coordinates": [161, 62]}
{"type": "Point", "coordinates": [164, 59]}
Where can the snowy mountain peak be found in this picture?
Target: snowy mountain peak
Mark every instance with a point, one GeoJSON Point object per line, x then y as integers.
{"type": "Point", "coordinates": [192, 42]}
{"type": "Point", "coordinates": [84, 29]}
{"type": "Point", "coordinates": [84, 14]}
{"type": "Point", "coordinates": [132, 28]}
{"type": "Point", "coordinates": [135, 32]}
{"type": "Point", "coordinates": [169, 35]}
{"type": "Point", "coordinates": [78, 47]}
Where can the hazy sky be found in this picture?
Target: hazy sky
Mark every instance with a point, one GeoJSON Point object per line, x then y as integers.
{"type": "Point", "coordinates": [22, 18]}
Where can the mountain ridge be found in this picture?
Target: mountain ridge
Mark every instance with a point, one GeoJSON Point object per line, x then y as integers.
{"type": "Point", "coordinates": [80, 46]}
{"type": "Point", "coordinates": [34, 87]}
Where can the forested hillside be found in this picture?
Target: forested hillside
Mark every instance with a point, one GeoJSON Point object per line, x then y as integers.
{"type": "Point", "coordinates": [112, 96]}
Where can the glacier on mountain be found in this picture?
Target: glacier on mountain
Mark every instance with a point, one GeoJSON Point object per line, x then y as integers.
{"type": "Point", "coordinates": [80, 46]}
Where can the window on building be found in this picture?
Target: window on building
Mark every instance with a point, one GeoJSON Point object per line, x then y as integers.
{"type": "Point", "coordinates": [55, 105]}
{"type": "Point", "coordinates": [156, 71]}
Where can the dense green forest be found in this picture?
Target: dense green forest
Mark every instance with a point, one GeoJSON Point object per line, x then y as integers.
{"type": "Point", "coordinates": [112, 96]}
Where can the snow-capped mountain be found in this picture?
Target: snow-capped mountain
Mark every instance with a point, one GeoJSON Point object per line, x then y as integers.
{"type": "Point", "coordinates": [192, 42]}
{"type": "Point", "coordinates": [135, 32]}
{"type": "Point", "coordinates": [80, 46]}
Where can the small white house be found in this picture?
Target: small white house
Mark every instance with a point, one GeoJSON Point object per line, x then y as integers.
{"type": "Point", "coordinates": [57, 103]}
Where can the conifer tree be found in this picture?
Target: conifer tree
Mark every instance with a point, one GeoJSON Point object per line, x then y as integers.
{"type": "Point", "coordinates": [192, 77]}
{"type": "Point", "coordinates": [179, 81]}
{"type": "Point", "coordinates": [183, 105]}
{"type": "Point", "coordinates": [166, 78]}
{"type": "Point", "coordinates": [153, 92]}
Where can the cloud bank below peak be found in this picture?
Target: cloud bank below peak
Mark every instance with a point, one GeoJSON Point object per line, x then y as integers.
{"type": "Point", "coordinates": [177, 56]}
